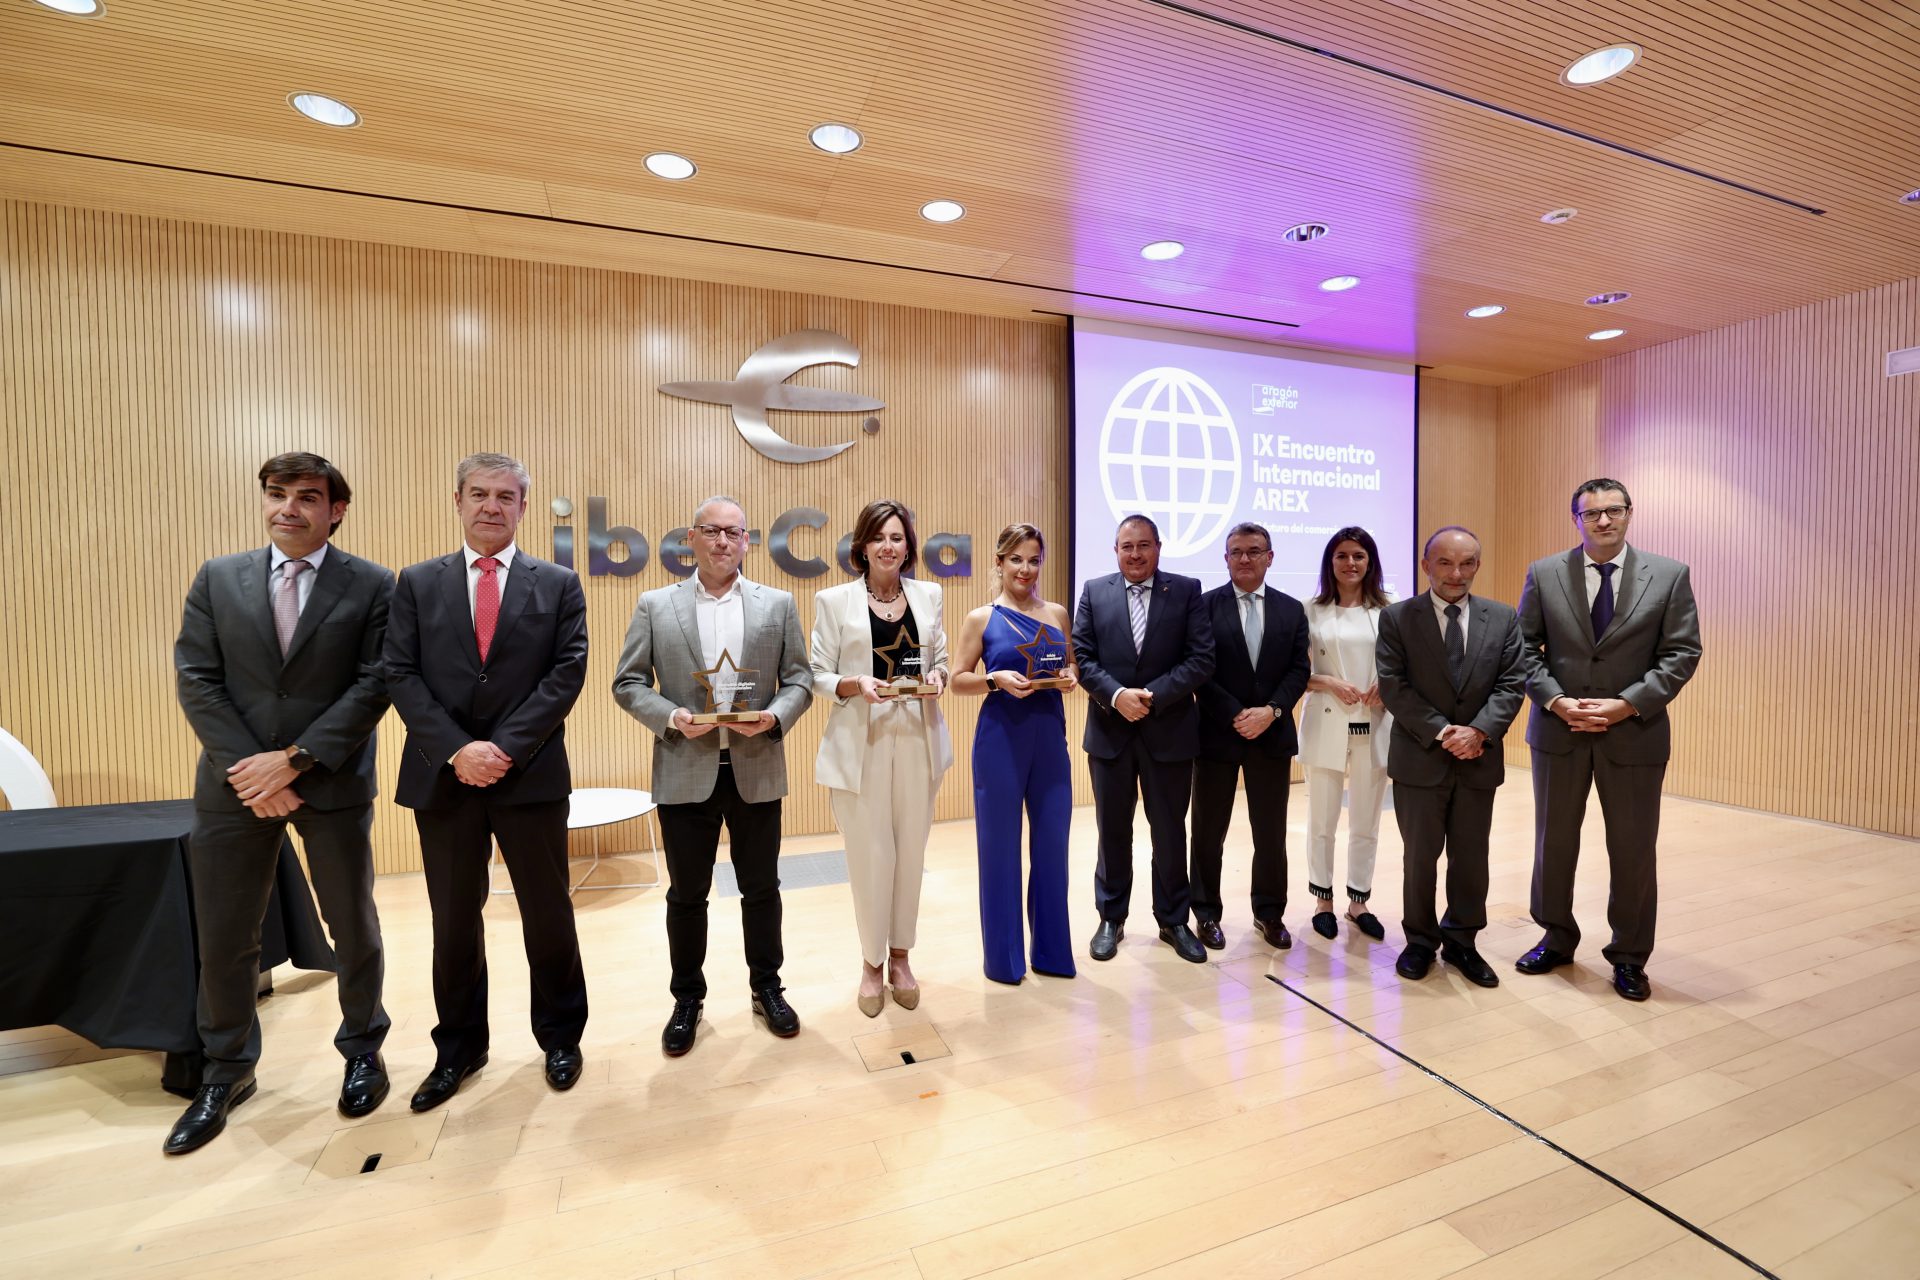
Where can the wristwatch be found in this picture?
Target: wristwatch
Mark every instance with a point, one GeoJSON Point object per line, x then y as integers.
{"type": "Point", "coordinates": [991, 686]}
{"type": "Point", "coordinates": [301, 759]}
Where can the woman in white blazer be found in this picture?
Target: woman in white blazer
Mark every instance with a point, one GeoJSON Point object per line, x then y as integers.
{"type": "Point", "coordinates": [883, 757]}
{"type": "Point", "coordinates": [1344, 726]}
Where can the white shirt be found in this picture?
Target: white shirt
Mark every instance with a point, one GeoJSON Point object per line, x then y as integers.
{"type": "Point", "coordinates": [304, 583]}
{"type": "Point", "coordinates": [504, 556]}
{"type": "Point", "coordinates": [723, 626]}
{"type": "Point", "coordinates": [1440, 612]}
{"type": "Point", "coordinates": [1593, 575]}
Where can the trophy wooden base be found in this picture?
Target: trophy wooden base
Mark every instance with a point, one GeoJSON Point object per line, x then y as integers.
{"type": "Point", "coordinates": [908, 690]}
{"type": "Point", "coordinates": [1050, 682]}
{"type": "Point", "coordinates": [724, 717]}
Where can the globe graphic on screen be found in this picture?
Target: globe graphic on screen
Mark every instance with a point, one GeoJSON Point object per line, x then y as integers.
{"type": "Point", "coordinates": [1168, 449]}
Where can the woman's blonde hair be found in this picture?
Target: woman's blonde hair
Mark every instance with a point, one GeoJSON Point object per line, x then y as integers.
{"type": "Point", "coordinates": [1010, 537]}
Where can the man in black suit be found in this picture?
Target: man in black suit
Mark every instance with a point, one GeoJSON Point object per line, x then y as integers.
{"type": "Point", "coordinates": [278, 671]}
{"type": "Point", "coordinates": [486, 653]}
{"type": "Point", "coordinates": [1144, 645]}
{"type": "Point", "coordinates": [1452, 675]}
{"type": "Point", "coordinates": [1260, 669]}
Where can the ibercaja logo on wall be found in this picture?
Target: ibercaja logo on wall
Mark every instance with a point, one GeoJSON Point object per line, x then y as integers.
{"type": "Point", "coordinates": [759, 388]}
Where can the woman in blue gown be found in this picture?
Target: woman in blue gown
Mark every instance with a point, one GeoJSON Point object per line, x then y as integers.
{"type": "Point", "coordinates": [1020, 760]}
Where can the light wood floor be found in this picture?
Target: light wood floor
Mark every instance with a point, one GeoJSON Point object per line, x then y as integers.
{"type": "Point", "coordinates": [1150, 1117]}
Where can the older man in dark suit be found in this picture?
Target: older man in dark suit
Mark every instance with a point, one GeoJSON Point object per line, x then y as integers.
{"type": "Point", "coordinates": [1450, 673]}
{"type": "Point", "coordinates": [279, 673]}
{"type": "Point", "coordinates": [1144, 645]}
{"type": "Point", "coordinates": [1261, 666]}
{"type": "Point", "coordinates": [486, 654]}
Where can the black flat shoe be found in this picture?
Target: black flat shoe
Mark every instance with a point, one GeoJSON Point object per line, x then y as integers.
{"type": "Point", "coordinates": [1274, 933]}
{"type": "Point", "coordinates": [678, 1036]}
{"type": "Point", "coordinates": [1325, 925]}
{"type": "Point", "coordinates": [768, 1003]}
{"type": "Point", "coordinates": [1184, 944]}
{"type": "Point", "coordinates": [1369, 924]}
{"type": "Point", "coordinates": [365, 1086]}
{"type": "Point", "coordinates": [206, 1116]}
{"type": "Point", "coordinates": [1414, 962]}
{"type": "Point", "coordinates": [1208, 931]}
{"type": "Point", "coordinates": [1106, 940]}
{"type": "Point", "coordinates": [1472, 966]}
{"type": "Point", "coordinates": [1630, 980]}
{"type": "Point", "coordinates": [1542, 959]}
{"type": "Point", "coordinates": [442, 1083]}
{"type": "Point", "coordinates": [564, 1066]}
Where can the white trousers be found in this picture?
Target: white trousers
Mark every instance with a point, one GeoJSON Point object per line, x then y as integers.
{"type": "Point", "coordinates": [1365, 785]}
{"type": "Point", "coordinates": [885, 826]}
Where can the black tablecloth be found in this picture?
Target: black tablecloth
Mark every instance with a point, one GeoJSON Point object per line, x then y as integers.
{"type": "Point", "coordinates": [96, 926]}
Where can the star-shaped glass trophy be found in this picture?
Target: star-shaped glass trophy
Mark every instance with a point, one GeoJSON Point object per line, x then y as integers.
{"type": "Point", "coordinates": [731, 689]}
{"type": "Point", "coordinates": [906, 667]}
{"type": "Point", "coordinates": [1046, 656]}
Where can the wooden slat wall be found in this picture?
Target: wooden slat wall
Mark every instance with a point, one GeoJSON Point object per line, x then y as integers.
{"type": "Point", "coordinates": [1458, 421]}
{"type": "Point", "coordinates": [1778, 460]}
{"type": "Point", "coordinates": [148, 367]}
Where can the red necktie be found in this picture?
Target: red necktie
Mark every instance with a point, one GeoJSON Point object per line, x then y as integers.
{"type": "Point", "coordinates": [486, 604]}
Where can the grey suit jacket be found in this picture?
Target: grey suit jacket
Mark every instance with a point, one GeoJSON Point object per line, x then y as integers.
{"type": "Point", "coordinates": [1648, 652]}
{"type": "Point", "coordinates": [656, 678]}
{"type": "Point", "coordinates": [326, 695]}
{"type": "Point", "coordinates": [1411, 660]}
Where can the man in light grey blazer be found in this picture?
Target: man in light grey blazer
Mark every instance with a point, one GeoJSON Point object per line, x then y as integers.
{"type": "Point", "coordinates": [688, 643]}
{"type": "Point", "coordinates": [1450, 672]}
{"type": "Point", "coordinates": [1609, 634]}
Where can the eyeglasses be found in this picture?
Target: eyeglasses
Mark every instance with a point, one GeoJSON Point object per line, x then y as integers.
{"type": "Point", "coordinates": [1592, 515]}
{"type": "Point", "coordinates": [1247, 555]}
{"type": "Point", "coordinates": [716, 532]}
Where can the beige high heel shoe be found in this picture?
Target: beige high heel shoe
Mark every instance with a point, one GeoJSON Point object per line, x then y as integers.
{"type": "Point", "coordinates": [872, 1004]}
{"type": "Point", "coordinates": [905, 997]}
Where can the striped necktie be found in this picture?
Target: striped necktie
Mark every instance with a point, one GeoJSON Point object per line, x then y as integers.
{"type": "Point", "coordinates": [1137, 612]}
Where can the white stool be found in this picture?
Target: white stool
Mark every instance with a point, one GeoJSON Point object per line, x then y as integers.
{"type": "Point", "coordinates": [600, 807]}
{"type": "Point", "coordinates": [25, 784]}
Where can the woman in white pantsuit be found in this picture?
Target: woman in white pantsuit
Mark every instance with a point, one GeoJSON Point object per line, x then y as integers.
{"type": "Point", "coordinates": [1343, 727]}
{"type": "Point", "coordinates": [882, 756]}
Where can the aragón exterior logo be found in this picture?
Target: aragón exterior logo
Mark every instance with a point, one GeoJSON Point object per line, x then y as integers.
{"type": "Point", "coordinates": [1169, 449]}
{"type": "Point", "coordinates": [761, 385]}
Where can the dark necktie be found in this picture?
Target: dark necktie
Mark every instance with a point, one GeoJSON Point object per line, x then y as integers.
{"type": "Point", "coordinates": [1456, 648]}
{"type": "Point", "coordinates": [1603, 603]}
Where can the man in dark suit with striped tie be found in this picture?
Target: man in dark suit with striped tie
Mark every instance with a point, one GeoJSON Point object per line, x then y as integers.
{"type": "Point", "coordinates": [486, 654]}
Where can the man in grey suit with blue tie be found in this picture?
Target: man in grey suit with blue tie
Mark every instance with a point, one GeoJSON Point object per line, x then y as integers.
{"type": "Point", "coordinates": [279, 672]}
{"type": "Point", "coordinates": [1609, 634]}
{"type": "Point", "coordinates": [1450, 672]}
{"type": "Point", "coordinates": [718, 642]}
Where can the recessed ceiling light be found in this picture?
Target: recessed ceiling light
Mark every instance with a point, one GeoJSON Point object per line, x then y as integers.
{"type": "Point", "coordinates": [674, 168]}
{"type": "Point", "coordinates": [321, 109]}
{"type": "Point", "coordinates": [75, 8]}
{"type": "Point", "coordinates": [1162, 250]}
{"type": "Point", "coordinates": [943, 211]}
{"type": "Point", "coordinates": [1601, 335]}
{"type": "Point", "coordinates": [1608, 298]}
{"type": "Point", "coordinates": [1301, 233]}
{"type": "Point", "coordinates": [836, 139]}
{"type": "Point", "coordinates": [1601, 64]}
{"type": "Point", "coordinates": [1481, 313]}
{"type": "Point", "coordinates": [1338, 284]}
{"type": "Point", "coordinates": [1554, 217]}
{"type": "Point", "coordinates": [1912, 197]}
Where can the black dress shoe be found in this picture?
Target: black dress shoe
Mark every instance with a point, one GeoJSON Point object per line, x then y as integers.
{"type": "Point", "coordinates": [206, 1115]}
{"type": "Point", "coordinates": [1471, 965]}
{"type": "Point", "coordinates": [1210, 935]}
{"type": "Point", "coordinates": [1106, 940]}
{"type": "Point", "coordinates": [1630, 980]}
{"type": "Point", "coordinates": [563, 1067]}
{"type": "Point", "coordinates": [1275, 934]}
{"type": "Point", "coordinates": [1184, 944]}
{"type": "Point", "coordinates": [1369, 924]}
{"type": "Point", "coordinates": [677, 1038]}
{"type": "Point", "coordinates": [1414, 962]}
{"type": "Point", "coordinates": [1325, 925]}
{"type": "Point", "coordinates": [442, 1083]}
{"type": "Point", "coordinates": [365, 1086]}
{"type": "Point", "coordinates": [768, 1003]}
{"type": "Point", "coordinates": [1542, 959]}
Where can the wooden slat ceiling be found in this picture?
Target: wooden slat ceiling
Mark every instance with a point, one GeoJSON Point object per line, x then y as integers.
{"type": "Point", "coordinates": [1074, 132]}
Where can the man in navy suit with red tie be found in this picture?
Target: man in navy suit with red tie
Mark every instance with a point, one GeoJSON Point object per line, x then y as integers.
{"type": "Point", "coordinates": [486, 653]}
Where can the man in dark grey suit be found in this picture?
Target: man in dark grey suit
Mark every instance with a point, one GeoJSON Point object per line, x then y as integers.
{"type": "Point", "coordinates": [486, 654]}
{"type": "Point", "coordinates": [1144, 645]}
{"type": "Point", "coordinates": [1451, 674]}
{"type": "Point", "coordinates": [1609, 635]}
{"type": "Point", "coordinates": [279, 673]}
{"type": "Point", "coordinates": [705, 776]}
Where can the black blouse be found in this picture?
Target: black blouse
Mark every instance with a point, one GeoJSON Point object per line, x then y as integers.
{"type": "Point", "coordinates": [884, 636]}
